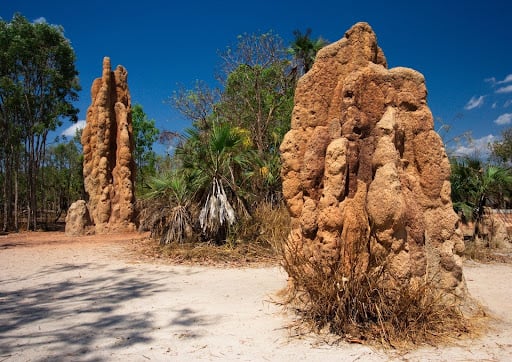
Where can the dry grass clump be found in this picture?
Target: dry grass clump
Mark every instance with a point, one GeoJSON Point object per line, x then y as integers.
{"type": "Point", "coordinates": [488, 252]}
{"type": "Point", "coordinates": [372, 308]}
{"type": "Point", "coordinates": [269, 225]}
{"type": "Point", "coordinates": [211, 254]}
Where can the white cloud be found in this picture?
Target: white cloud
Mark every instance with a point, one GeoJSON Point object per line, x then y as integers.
{"type": "Point", "coordinates": [474, 103]}
{"type": "Point", "coordinates": [40, 20]}
{"type": "Point", "coordinates": [494, 82]}
{"type": "Point", "coordinates": [491, 80]}
{"type": "Point", "coordinates": [478, 147]}
{"type": "Point", "coordinates": [505, 118]}
{"type": "Point", "coordinates": [507, 79]}
{"type": "Point", "coordinates": [494, 105]}
{"type": "Point", "coordinates": [507, 89]}
{"type": "Point", "coordinates": [71, 131]}
{"type": "Point", "coordinates": [507, 103]}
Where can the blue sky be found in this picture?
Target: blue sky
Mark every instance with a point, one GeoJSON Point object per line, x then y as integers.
{"type": "Point", "coordinates": [464, 49]}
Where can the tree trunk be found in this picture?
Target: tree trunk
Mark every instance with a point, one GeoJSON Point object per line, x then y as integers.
{"type": "Point", "coordinates": [7, 193]}
{"type": "Point", "coordinates": [31, 216]}
{"type": "Point", "coordinates": [479, 214]}
{"type": "Point", "coordinates": [16, 221]}
{"type": "Point", "coordinates": [6, 198]}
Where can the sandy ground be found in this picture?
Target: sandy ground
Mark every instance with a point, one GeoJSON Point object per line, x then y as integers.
{"type": "Point", "coordinates": [90, 300]}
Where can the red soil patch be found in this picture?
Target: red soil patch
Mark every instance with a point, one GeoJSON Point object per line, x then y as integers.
{"type": "Point", "coordinates": [54, 238]}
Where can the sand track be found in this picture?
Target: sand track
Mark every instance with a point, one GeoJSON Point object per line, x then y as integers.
{"type": "Point", "coordinates": [88, 299]}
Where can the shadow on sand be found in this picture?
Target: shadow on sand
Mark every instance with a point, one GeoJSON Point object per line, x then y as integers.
{"type": "Point", "coordinates": [76, 315]}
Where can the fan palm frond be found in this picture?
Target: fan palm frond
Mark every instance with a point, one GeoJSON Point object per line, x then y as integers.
{"type": "Point", "coordinates": [217, 211]}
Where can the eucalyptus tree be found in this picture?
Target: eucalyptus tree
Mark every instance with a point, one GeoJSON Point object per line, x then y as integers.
{"type": "Point", "coordinates": [63, 176]}
{"type": "Point", "coordinates": [38, 84]}
{"type": "Point", "coordinates": [258, 88]}
{"type": "Point", "coordinates": [502, 149]}
{"type": "Point", "coordinates": [259, 99]}
{"type": "Point", "coordinates": [145, 135]}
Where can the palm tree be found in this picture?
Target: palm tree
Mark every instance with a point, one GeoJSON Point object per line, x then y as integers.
{"type": "Point", "coordinates": [219, 159]}
{"type": "Point", "coordinates": [474, 185]}
{"type": "Point", "coordinates": [304, 50]}
{"type": "Point", "coordinates": [167, 214]}
{"type": "Point", "coordinates": [464, 181]}
{"type": "Point", "coordinates": [493, 180]}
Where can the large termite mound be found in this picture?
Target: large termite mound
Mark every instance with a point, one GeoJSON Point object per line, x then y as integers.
{"type": "Point", "coordinates": [107, 139]}
{"type": "Point", "coordinates": [365, 176]}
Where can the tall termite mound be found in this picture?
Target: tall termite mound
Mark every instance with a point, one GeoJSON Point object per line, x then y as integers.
{"type": "Point", "coordinates": [107, 139]}
{"type": "Point", "coordinates": [365, 176]}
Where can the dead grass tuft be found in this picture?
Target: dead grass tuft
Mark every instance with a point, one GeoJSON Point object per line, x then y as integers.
{"type": "Point", "coordinates": [201, 253]}
{"type": "Point", "coordinates": [487, 252]}
{"type": "Point", "coordinates": [373, 309]}
{"type": "Point", "coordinates": [268, 225]}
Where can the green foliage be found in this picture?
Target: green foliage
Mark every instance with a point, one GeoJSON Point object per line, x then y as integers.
{"type": "Point", "coordinates": [476, 185]}
{"type": "Point", "coordinates": [502, 150]}
{"type": "Point", "coordinates": [464, 179]}
{"type": "Point", "coordinates": [208, 186]}
{"type": "Point", "coordinates": [217, 160]}
{"type": "Point", "coordinates": [145, 134]}
{"type": "Point", "coordinates": [258, 88]}
{"type": "Point", "coordinates": [38, 72]}
{"type": "Point", "coordinates": [166, 210]}
{"type": "Point", "coordinates": [258, 99]}
{"type": "Point", "coordinates": [38, 83]}
{"type": "Point", "coordinates": [63, 176]}
{"type": "Point", "coordinates": [172, 186]}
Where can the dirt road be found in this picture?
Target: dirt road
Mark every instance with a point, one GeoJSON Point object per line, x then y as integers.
{"type": "Point", "coordinates": [89, 300]}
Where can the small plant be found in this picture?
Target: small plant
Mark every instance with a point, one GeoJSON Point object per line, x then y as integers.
{"type": "Point", "coordinates": [166, 210]}
{"type": "Point", "coordinates": [217, 161]}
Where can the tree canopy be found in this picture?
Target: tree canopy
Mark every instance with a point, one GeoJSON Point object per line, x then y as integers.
{"type": "Point", "coordinates": [231, 154]}
{"type": "Point", "coordinates": [475, 185]}
{"type": "Point", "coordinates": [304, 49]}
{"type": "Point", "coordinates": [145, 134]}
{"type": "Point", "coordinates": [38, 84]}
{"type": "Point", "coordinates": [502, 149]}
